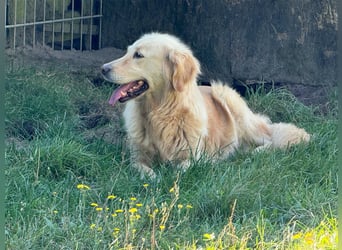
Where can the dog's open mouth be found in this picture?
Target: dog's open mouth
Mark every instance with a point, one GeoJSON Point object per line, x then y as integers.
{"type": "Point", "coordinates": [128, 91]}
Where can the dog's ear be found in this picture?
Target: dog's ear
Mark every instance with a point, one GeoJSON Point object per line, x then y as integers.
{"type": "Point", "coordinates": [184, 69]}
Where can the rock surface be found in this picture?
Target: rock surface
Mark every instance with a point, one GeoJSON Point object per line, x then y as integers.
{"type": "Point", "coordinates": [283, 41]}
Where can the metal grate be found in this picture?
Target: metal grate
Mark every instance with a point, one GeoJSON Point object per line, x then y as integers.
{"type": "Point", "coordinates": [60, 24]}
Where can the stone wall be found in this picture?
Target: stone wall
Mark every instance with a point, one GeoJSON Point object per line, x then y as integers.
{"type": "Point", "coordinates": [286, 41]}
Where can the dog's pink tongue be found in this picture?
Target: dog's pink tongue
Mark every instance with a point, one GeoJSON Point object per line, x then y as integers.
{"type": "Point", "coordinates": [119, 93]}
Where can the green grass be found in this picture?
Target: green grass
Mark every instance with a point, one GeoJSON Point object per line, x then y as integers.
{"type": "Point", "coordinates": [268, 200]}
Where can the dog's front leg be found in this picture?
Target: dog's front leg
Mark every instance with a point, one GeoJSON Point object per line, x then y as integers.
{"type": "Point", "coordinates": [142, 160]}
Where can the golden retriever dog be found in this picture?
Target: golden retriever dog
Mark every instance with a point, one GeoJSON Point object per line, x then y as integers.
{"type": "Point", "coordinates": [167, 115]}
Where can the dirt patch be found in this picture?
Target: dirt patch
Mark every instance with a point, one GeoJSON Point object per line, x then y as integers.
{"type": "Point", "coordinates": [67, 60]}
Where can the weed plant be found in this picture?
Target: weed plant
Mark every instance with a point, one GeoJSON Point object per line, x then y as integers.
{"type": "Point", "coordinates": [64, 191]}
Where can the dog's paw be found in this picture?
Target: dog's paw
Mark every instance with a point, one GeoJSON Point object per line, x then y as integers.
{"type": "Point", "coordinates": [150, 174]}
{"type": "Point", "coordinates": [145, 171]}
{"type": "Point", "coordinates": [184, 165]}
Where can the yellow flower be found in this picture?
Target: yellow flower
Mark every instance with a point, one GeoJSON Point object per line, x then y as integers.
{"type": "Point", "coordinates": [92, 226]}
{"type": "Point", "coordinates": [114, 214]}
{"type": "Point", "coordinates": [210, 248]}
{"type": "Point", "coordinates": [139, 204]}
{"type": "Point", "coordinates": [308, 237]}
{"type": "Point", "coordinates": [119, 211]}
{"type": "Point", "coordinates": [188, 206]}
{"type": "Point", "coordinates": [83, 186]}
{"type": "Point", "coordinates": [133, 199]}
{"type": "Point", "coordinates": [180, 206]}
{"type": "Point", "coordinates": [209, 236]}
{"type": "Point", "coordinates": [133, 210]}
{"type": "Point", "coordinates": [297, 236]}
{"type": "Point", "coordinates": [111, 197]}
{"type": "Point", "coordinates": [138, 216]}
{"type": "Point", "coordinates": [99, 209]}
{"type": "Point", "coordinates": [99, 229]}
{"type": "Point", "coordinates": [145, 185]}
{"type": "Point", "coordinates": [116, 231]}
{"type": "Point", "coordinates": [55, 211]}
{"type": "Point", "coordinates": [93, 204]}
{"type": "Point", "coordinates": [162, 227]}
{"type": "Point", "coordinates": [171, 190]}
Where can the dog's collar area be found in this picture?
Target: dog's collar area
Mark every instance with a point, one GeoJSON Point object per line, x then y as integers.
{"type": "Point", "coordinates": [128, 91]}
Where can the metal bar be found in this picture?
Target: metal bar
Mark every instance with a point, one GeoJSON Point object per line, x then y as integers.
{"type": "Point", "coordinates": [81, 25]}
{"type": "Point", "coordinates": [51, 21]}
{"type": "Point", "coordinates": [34, 21]}
{"type": "Point", "coordinates": [91, 25]}
{"type": "Point", "coordinates": [53, 24]}
{"type": "Point", "coordinates": [24, 35]}
{"type": "Point", "coordinates": [6, 20]}
{"type": "Point", "coordinates": [67, 29]}
{"type": "Point", "coordinates": [72, 24]}
{"type": "Point", "coordinates": [100, 28]}
{"type": "Point", "coordinates": [63, 15]}
{"type": "Point", "coordinates": [44, 19]}
{"type": "Point", "coordinates": [15, 22]}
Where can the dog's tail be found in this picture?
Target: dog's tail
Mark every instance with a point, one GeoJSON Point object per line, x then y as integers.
{"type": "Point", "coordinates": [287, 134]}
{"type": "Point", "coordinates": [255, 128]}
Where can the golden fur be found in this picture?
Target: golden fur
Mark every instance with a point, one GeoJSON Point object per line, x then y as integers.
{"type": "Point", "coordinates": [175, 119]}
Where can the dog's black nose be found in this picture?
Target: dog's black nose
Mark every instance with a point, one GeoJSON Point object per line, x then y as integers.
{"type": "Point", "coordinates": [105, 69]}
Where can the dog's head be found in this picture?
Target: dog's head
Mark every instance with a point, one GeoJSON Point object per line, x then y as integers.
{"type": "Point", "coordinates": [155, 63]}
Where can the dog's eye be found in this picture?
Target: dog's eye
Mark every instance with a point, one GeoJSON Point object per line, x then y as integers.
{"type": "Point", "coordinates": [138, 55]}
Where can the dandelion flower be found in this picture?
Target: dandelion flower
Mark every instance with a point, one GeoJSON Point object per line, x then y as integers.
{"type": "Point", "coordinates": [83, 187]}
{"type": "Point", "coordinates": [297, 236]}
{"type": "Point", "coordinates": [209, 236]}
{"type": "Point", "coordinates": [162, 227]}
{"type": "Point", "coordinates": [92, 226]}
{"type": "Point", "coordinates": [171, 190]}
{"type": "Point", "coordinates": [99, 209]}
{"type": "Point", "coordinates": [99, 229]}
{"type": "Point", "coordinates": [308, 237]}
{"type": "Point", "coordinates": [111, 197]}
{"type": "Point", "coordinates": [93, 204]}
{"type": "Point", "coordinates": [114, 214]}
{"type": "Point", "coordinates": [145, 185]}
{"type": "Point", "coordinates": [116, 231]}
{"type": "Point", "coordinates": [180, 206]}
{"type": "Point", "coordinates": [133, 199]}
{"type": "Point", "coordinates": [189, 206]}
{"type": "Point", "coordinates": [55, 211]}
{"type": "Point", "coordinates": [119, 211]}
{"type": "Point", "coordinates": [139, 204]}
{"type": "Point", "coordinates": [133, 210]}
